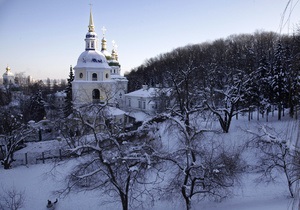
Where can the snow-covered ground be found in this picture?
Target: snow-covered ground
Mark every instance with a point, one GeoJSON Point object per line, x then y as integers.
{"type": "Point", "coordinates": [41, 180]}
{"type": "Point", "coordinates": [38, 184]}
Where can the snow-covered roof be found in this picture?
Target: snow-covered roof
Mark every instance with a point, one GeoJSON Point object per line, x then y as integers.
{"type": "Point", "coordinates": [92, 111]}
{"type": "Point", "coordinates": [144, 92]}
{"type": "Point", "coordinates": [138, 115]}
{"type": "Point", "coordinates": [119, 77]}
{"type": "Point", "coordinates": [60, 94]}
{"type": "Point", "coordinates": [115, 111]}
{"type": "Point", "coordinates": [92, 59]}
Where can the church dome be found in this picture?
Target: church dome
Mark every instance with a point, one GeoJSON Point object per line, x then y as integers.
{"type": "Point", "coordinates": [8, 72]}
{"type": "Point", "coordinates": [106, 53]}
{"type": "Point", "coordinates": [92, 59]}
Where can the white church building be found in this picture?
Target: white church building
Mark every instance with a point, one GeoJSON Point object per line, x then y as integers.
{"type": "Point", "coordinates": [97, 73]}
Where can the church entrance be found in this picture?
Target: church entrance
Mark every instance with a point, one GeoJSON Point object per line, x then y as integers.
{"type": "Point", "coordinates": [96, 96]}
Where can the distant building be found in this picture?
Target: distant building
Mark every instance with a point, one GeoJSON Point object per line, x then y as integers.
{"type": "Point", "coordinates": [97, 76]}
{"type": "Point", "coordinates": [59, 99]}
{"type": "Point", "coordinates": [8, 77]}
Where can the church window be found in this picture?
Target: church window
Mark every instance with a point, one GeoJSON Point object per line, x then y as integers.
{"type": "Point", "coordinates": [106, 75]}
{"type": "Point", "coordinates": [80, 75]}
{"type": "Point", "coordinates": [129, 102]}
{"type": "Point", "coordinates": [140, 104]}
{"type": "Point", "coordinates": [94, 77]}
{"type": "Point", "coordinates": [92, 44]}
{"type": "Point", "coordinates": [96, 95]}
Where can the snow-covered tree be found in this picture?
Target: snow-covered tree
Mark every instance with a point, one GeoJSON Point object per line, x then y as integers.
{"type": "Point", "coordinates": [196, 167]}
{"type": "Point", "coordinates": [228, 99]}
{"type": "Point", "coordinates": [12, 134]}
{"type": "Point", "coordinates": [277, 153]}
{"type": "Point", "coordinates": [196, 171]}
{"type": "Point", "coordinates": [111, 161]}
{"type": "Point", "coordinates": [33, 107]}
{"type": "Point", "coordinates": [279, 79]}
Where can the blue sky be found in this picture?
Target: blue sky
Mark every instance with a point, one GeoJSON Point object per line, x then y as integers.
{"type": "Point", "coordinates": [44, 37]}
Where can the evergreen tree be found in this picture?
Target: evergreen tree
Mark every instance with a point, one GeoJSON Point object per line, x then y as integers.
{"type": "Point", "coordinates": [262, 75]}
{"type": "Point", "coordinates": [279, 79]}
{"type": "Point", "coordinates": [68, 100]}
{"type": "Point", "coordinates": [55, 86]}
{"type": "Point", "coordinates": [36, 108]}
{"type": "Point", "coordinates": [48, 87]}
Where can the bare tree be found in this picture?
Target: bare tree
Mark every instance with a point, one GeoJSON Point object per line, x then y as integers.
{"type": "Point", "coordinates": [12, 199]}
{"type": "Point", "coordinates": [277, 156]}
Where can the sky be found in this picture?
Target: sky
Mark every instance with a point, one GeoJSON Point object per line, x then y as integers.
{"type": "Point", "coordinates": [42, 38]}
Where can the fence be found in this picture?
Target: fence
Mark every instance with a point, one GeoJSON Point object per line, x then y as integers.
{"type": "Point", "coordinates": [30, 158]}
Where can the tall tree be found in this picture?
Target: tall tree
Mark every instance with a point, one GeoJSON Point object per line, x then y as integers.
{"type": "Point", "coordinates": [279, 79]}
{"type": "Point", "coordinates": [68, 100]}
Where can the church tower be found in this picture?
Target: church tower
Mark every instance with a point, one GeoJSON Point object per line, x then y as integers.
{"type": "Point", "coordinates": [93, 82]}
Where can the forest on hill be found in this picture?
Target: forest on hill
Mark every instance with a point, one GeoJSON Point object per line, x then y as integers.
{"type": "Point", "coordinates": [260, 69]}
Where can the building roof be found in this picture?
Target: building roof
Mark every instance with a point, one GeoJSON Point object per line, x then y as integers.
{"type": "Point", "coordinates": [92, 59]}
{"type": "Point", "coordinates": [115, 111]}
{"type": "Point", "coordinates": [118, 77]}
{"type": "Point", "coordinates": [144, 92]}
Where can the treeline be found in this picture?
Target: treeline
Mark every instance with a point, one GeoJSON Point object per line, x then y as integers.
{"type": "Point", "coordinates": [262, 69]}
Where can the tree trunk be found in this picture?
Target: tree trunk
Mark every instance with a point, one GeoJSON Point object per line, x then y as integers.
{"type": "Point", "coordinates": [124, 199]}
{"type": "Point", "coordinates": [188, 204]}
{"type": "Point", "coordinates": [279, 112]}
{"type": "Point", "coordinates": [6, 166]}
{"type": "Point", "coordinates": [8, 160]}
{"type": "Point", "coordinates": [249, 115]}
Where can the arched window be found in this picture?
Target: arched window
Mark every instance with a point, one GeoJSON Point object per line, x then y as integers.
{"type": "Point", "coordinates": [94, 77]}
{"type": "Point", "coordinates": [96, 95]}
{"type": "Point", "coordinates": [106, 76]}
{"type": "Point", "coordinates": [80, 75]}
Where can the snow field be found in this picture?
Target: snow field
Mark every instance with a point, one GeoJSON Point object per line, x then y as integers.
{"type": "Point", "coordinates": [40, 181]}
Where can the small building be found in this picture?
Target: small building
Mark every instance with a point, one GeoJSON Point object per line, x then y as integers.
{"type": "Point", "coordinates": [144, 99]}
{"type": "Point", "coordinates": [59, 99]}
